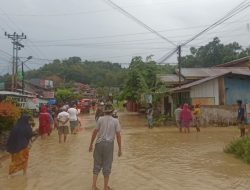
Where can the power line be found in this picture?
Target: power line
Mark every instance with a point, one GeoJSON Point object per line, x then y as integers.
{"type": "Point", "coordinates": [11, 21]}
{"type": "Point", "coordinates": [229, 15]}
{"type": "Point", "coordinates": [27, 67]}
{"type": "Point", "coordinates": [239, 8]}
{"type": "Point", "coordinates": [9, 26]}
{"type": "Point", "coordinates": [74, 13]}
{"type": "Point", "coordinates": [124, 12]}
{"type": "Point", "coordinates": [167, 56]}
{"type": "Point", "coordinates": [5, 53]}
{"type": "Point", "coordinates": [134, 34]}
{"type": "Point", "coordinates": [4, 58]}
{"type": "Point", "coordinates": [131, 42]}
{"type": "Point", "coordinates": [42, 59]}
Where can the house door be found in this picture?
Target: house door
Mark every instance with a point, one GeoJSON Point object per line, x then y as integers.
{"type": "Point", "coordinates": [167, 106]}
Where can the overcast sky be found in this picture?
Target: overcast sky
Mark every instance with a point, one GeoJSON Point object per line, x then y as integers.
{"type": "Point", "coordinates": [93, 30]}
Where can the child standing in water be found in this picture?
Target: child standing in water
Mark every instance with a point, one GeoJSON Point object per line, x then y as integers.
{"type": "Point", "coordinates": [197, 115]}
{"type": "Point", "coordinates": [186, 118]}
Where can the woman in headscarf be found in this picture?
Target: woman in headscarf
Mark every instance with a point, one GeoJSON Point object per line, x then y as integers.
{"type": "Point", "coordinates": [44, 122]}
{"type": "Point", "coordinates": [17, 144]}
{"type": "Point", "coordinates": [186, 118]}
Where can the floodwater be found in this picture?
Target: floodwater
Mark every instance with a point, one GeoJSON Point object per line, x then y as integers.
{"type": "Point", "coordinates": [153, 159]}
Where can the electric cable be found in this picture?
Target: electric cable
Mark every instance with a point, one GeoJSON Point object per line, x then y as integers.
{"type": "Point", "coordinates": [229, 15]}
{"type": "Point", "coordinates": [239, 8]}
{"type": "Point", "coordinates": [127, 14]}
{"type": "Point", "coordinates": [11, 21]}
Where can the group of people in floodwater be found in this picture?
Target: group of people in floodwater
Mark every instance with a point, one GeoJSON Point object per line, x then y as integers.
{"type": "Point", "coordinates": [65, 119]}
{"type": "Point", "coordinates": [22, 134]}
{"type": "Point", "coordinates": [185, 114]}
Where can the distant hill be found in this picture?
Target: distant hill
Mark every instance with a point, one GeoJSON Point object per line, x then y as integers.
{"type": "Point", "coordinates": [96, 74]}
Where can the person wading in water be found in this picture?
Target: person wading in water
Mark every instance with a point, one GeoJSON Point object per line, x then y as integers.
{"type": "Point", "coordinates": [106, 129]}
{"type": "Point", "coordinates": [241, 118]}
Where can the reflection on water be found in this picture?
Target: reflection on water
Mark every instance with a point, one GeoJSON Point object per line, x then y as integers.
{"type": "Point", "coordinates": [153, 159]}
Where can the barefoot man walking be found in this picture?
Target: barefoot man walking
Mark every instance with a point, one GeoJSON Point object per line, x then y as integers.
{"type": "Point", "coordinates": [106, 129]}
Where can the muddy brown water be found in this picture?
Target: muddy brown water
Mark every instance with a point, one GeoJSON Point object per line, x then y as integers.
{"type": "Point", "coordinates": [153, 159]}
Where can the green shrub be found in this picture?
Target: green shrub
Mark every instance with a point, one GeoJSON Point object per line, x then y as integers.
{"type": "Point", "coordinates": [240, 147]}
{"type": "Point", "coordinates": [246, 156]}
{"type": "Point", "coordinates": [160, 120]}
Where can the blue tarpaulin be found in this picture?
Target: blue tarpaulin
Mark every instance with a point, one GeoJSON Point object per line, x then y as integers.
{"type": "Point", "coordinates": [52, 101]}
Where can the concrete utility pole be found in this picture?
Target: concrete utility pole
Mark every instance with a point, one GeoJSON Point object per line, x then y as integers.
{"type": "Point", "coordinates": [16, 38]}
{"type": "Point", "coordinates": [179, 66]}
{"type": "Point", "coordinates": [27, 59]}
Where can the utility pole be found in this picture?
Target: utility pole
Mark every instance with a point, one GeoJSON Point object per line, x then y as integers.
{"type": "Point", "coordinates": [22, 78]}
{"type": "Point", "coordinates": [179, 66]}
{"type": "Point", "coordinates": [16, 38]}
{"type": "Point", "coordinates": [27, 59]}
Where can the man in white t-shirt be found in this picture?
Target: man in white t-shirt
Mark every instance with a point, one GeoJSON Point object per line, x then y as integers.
{"type": "Point", "coordinates": [73, 120]}
{"type": "Point", "coordinates": [63, 124]}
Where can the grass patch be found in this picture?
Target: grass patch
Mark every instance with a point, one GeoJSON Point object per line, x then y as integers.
{"type": "Point", "coordinates": [240, 148]}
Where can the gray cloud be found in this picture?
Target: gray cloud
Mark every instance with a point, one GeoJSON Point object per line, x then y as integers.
{"type": "Point", "coordinates": [93, 30]}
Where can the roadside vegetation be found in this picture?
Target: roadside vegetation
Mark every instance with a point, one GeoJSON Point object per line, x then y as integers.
{"type": "Point", "coordinates": [240, 148]}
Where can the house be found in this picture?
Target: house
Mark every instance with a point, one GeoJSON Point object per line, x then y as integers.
{"type": "Point", "coordinates": [43, 88]}
{"type": "Point", "coordinates": [205, 86]}
{"type": "Point", "coordinates": [215, 87]}
{"type": "Point", "coordinates": [28, 100]}
{"type": "Point", "coordinates": [222, 89]}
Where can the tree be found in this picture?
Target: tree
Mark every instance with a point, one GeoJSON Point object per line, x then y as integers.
{"type": "Point", "coordinates": [213, 53]}
{"type": "Point", "coordinates": [135, 86]}
{"type": "Point", "coordinates": [65, 95]}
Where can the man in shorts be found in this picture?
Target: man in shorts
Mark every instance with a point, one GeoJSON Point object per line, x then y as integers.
{"type": "Point", "coordinates": [73, 119]}
{"type": "Point", "coordinates": [106, 129]}
{"type": "Point", "coordinates": [241, 118]}
{"type": "Point", "coordinates": [63, 124]}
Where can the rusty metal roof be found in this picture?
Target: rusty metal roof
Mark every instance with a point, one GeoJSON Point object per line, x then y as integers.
{"type": "Point", "coordinates": [234, 62]}
{"type": "Point", "coordinates": [209, 72]}
{"type": "Point", "coordinates": [170, 78]}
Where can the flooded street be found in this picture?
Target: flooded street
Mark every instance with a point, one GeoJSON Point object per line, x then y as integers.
{"type": "Point", "coordinates": [153, 159]}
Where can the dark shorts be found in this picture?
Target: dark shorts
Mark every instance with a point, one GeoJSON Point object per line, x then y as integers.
{"type": "Point", "coordinates": [63, 130]}
{"type": "Point", "coordinates": [103, 157]}
{"type": "Point", "coordinates": [73, 124]}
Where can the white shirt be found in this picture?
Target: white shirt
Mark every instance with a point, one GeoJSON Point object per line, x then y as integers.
{"type": "Point", "coordinates": [72, 114]}
{"type": "Point", "coordinates": [63, 116]}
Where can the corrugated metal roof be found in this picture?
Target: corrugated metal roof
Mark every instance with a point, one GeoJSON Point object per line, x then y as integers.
{"type": "Point", "coordinates": [171, 78]}
{"type": "Point", "coordinates": [209, 72]}
{"type": "Point", "coordinates": [14, 94]}
{"type": "Point", "coordinates": [186, 86]}
{"type": "Point", "coordinates": [234, 62]}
